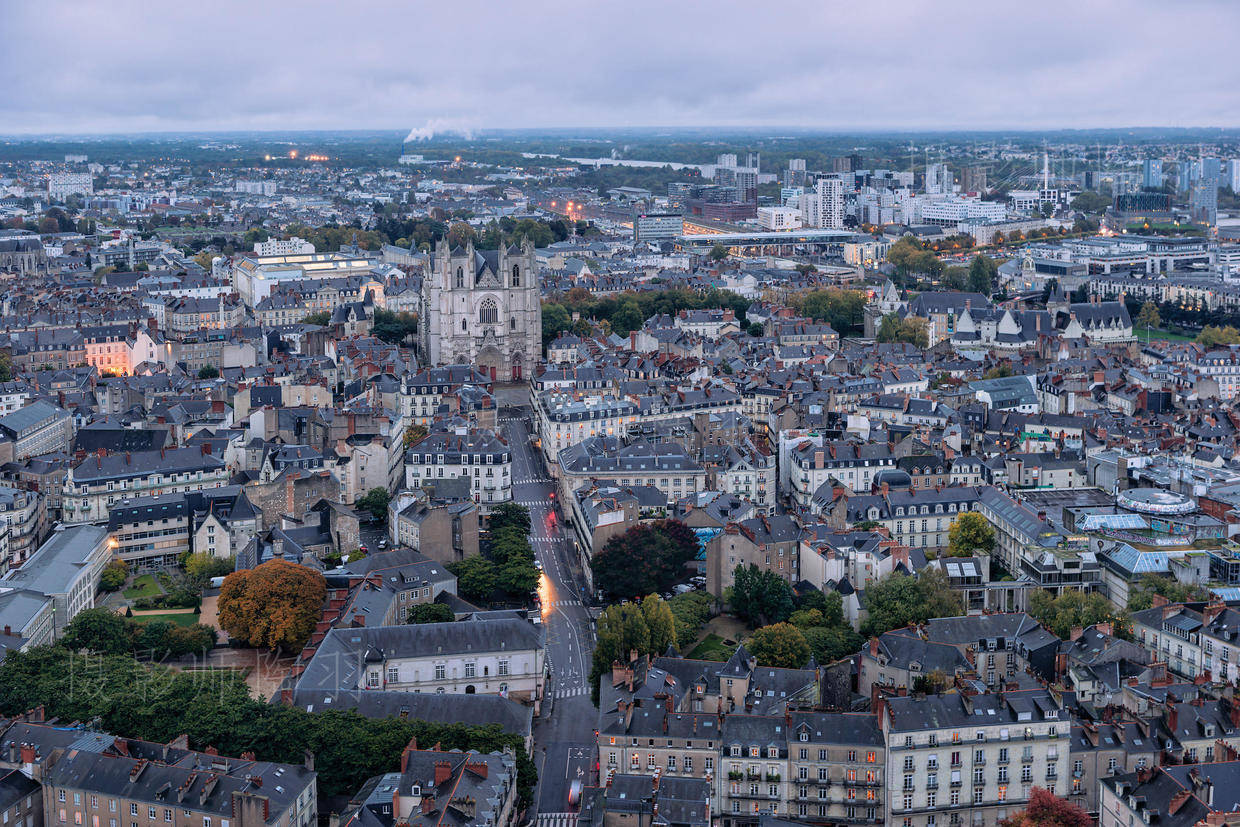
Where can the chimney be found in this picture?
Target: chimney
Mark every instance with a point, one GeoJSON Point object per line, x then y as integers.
{"type": "Point", "coordinates": [28, 754]}
{"type": "Point", "coordinates": [443, 771]}
{"type": "Point", "coordinates": [873, 647]}
{"type": "Point", "coordinates": [406, 752]}
{"type": "Point", "coordinates": [1173, 716]}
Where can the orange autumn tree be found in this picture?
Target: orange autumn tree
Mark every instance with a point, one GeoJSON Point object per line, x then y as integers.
{"type": "Point", "coordinates": [275, 605]}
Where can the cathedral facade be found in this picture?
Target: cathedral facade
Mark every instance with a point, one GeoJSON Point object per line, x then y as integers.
{"type": "Point", "coordinates": [483, 308]}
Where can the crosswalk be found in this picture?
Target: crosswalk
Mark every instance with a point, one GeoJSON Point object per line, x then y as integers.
{"type": "Point", "coordinates": [557, 820]}
{"type": "Point", "coordinates": [555, 603]}
{"type": "Point", "coordinates": [529, 480]}
{"type": "Point", "coordinates": [572, 692]}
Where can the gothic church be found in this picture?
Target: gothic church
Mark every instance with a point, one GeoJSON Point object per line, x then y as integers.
{"type": "Point", "coordinates": [483, 308]}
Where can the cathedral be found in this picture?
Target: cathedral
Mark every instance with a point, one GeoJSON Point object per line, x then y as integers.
{"type": "Point", "coordinates": [482, 308]}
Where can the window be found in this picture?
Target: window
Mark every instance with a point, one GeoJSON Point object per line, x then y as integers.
{"type": "Point", "coordinates": [470, 670]}
{"type": "Point", "coordinates": [516, 275]}
{"type": "Point", "coordinates": [150, 813]}
{"type": "Point", "coordinates": [393, 674]}
{"type": "Point", "coordinates": [460, 277]}
{"type": "Point", "coordinates": [440, 672]}
{"type": "Point", "coordinates": [488, 312]}
{"type": "Point", "coordinates": [503, 667]}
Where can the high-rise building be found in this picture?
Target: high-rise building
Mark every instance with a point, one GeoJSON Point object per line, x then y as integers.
{"type": "Point", "coordinates": [1231, 175]}
{"type": "Point", "coordinates": [973, 179]}
{"type": "Point", "coordinates": [939, 179]}
{"type": "Point", "coordinates": [824, 207]}
{"type": "Point", "coordinates": [746, 181]}
{"type": "Point", "coordinates": [1203, 200]}
{"type": "Point", "coordinates": [657, 225]}
{"type": "Point", "coordinates": [1151, 173]}
{"type": "Point", "coordinates": [841, 164]}
{"type": "Point", "coordinates": [726, 160]}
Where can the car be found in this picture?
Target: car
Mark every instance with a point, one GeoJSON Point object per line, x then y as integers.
{"type": "Point", "coordinates": [538, 565]}
{"type": "Point", "coordinates": [683, 588]}
{"type": "Point", "coordinates": [383, 544]}
{"type": "Point", "coordinates": [574, 792]}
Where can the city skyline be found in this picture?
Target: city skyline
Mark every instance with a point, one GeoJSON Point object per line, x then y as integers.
{"type": "Point", "coordinates": [87, 70]}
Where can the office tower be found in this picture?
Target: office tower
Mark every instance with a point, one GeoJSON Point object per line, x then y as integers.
{"type": "Point", "coordinates": [1151, 173]}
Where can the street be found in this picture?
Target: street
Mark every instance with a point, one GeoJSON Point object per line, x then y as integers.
{"type": "Point", "coordinates": [564, 734]}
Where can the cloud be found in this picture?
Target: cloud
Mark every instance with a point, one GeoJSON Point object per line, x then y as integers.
{"type": "Point", "coordinates": [131, 65]}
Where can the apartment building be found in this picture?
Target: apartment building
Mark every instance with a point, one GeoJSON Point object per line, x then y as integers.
{"type": "Point", "coordinates": [475, 454]}
{"type": "Point", "coordinates": [1191, 638]}
{"type": "Point", "coordinates": [423, 392]}
{"type": "Point", "coordinates": [484, 655]}
{"type": "Point", "coordinates": [811, 464]}
{"type": "Point", "coordinates": [961, 759]}
{"type": "Point", "coordinates": [57, 582]}
{"type": "Point", "coordinates": [151, 533]}
{"type": "Point", "coordinates": [566, 419]}
{"type": "Point", "coordinates": [97, 483]}
{"type": "Point", "coordinates": [39, 428]}
{"type": "Point", "coordinates": [102, 780]}
{"type": "Point", "coordinates": [667, 466]}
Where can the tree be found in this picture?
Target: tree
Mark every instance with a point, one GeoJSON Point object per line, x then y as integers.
{"type": "Point", "coordinates": [844, 310]}
{"type": "Point", "coordinates": [621, 632]}
{"type": "Point", "coordinates": [830, 643]}
{"type": "Point", "coordinates": [275, 605]}
{"type": "Point", "coordinates": [1073, 609]}
{"type": "Point", "coordinates": [1211, 336]}
{"type": "Point", "coordinates": [98, 630]}
{"type": "Point", "coordinates": [690, 610]}
{"type": "Point", "coordinates": [1045, 809]}
{"type": "Point", "coordinates": [900, 599]}
{"type": "Point", "coordinates": [1090, 202]}
{"type": "Point", "coordinates": [507, 515]}
{"type": "Point", "coordinates": [393, 328]}
{"type": "Point", "coordinates": [760, 596]}
{"type": "Point", "coordinates": [998, 371]}
{"type": "Point", "coordinates": [1149, 317]}
{"type": "Point", "coordinates": [475, 578]}
{"type": "Point", "coordinates": [208, 372]}
{"type": "Point", "coordinates": [202, 566]}
{"type": "Point", "coordinates": [461, 233]}
{"type": "Point", "coordinates": [912, 330]}
{"type": "Point", "coordinates": [780, 645]}
{"type": "Point", "coordinates": [415, 434]}
{"type": "Point", "coordinates": [320, 318]}
{"type": "Point", "coordinates": [660, 623]}
{"type": "Point", "coordinates": [376, 502]}
{"type": "Point", "coordinates": [969, 534]}
{"type": "Point", "coordinates": [430, 613]}
{"type": "Point", "coordinates": [982, 273]}
{"type": "Point", "coordinates": [717, 253]}
{"type": "Point", "coordinates": [113, 576]}
{"type": "Point", "coordinates": [1141, 595]}
{"type": "Point", "coordinates": [648, 558]}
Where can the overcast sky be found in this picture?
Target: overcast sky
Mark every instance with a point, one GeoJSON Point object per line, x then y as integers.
{"type": "Point", "coordinates": [120, 66]}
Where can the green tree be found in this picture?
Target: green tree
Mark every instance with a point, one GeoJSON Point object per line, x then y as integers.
{"type": "Point", "coordinates": [969, 534]}
{"type": "Point", "coordinates": [376, 502]}
{"type": "Point", "coordinates": [430, 613]}
{"type": "Point", "coordinates": [717, 253]}
{"type": "Point", "coordinates": [982, 273]}
{"type": "Point", "coordinates": [1090, 202]}
{"type": "Point", "coordinates": [320, 318]}
{"type": "Point", "coordinates": [1141, 594]}
{"type": "Point", "coordinates": [1211, 336]}
{"type": "Point", "coordinates": [628, 318]}
{"type": "Point", "coordinates": [114, 575]}
{"type": "Point", "coordinates": [555, 320]}
{"type": "Point", "coordinates": [780, 645]}
{"type": "Point", "coordinates": [760, 596]}
{"type": "Point", "coordinates": [660, 623]}
{"type": "Point", "coordinates": [621, 632]}
{"type": "Point", "coordinates": [830, 643]}
{"type": "Point", "coordinates": [275, 605]}
{"type": "Point", "coordinates": [648, 558]}
{"type": "Point", "coordinates": [844, 310]}
{"type": "Point", "coordinates": [394, 328]}
{"type": "Point", "coordinates": [507, 515]}
{"type": "Point", "coordinates": [691, 611]}
{"type": "Point", "coordinates": [912, 330]}
{"type": "Point", "coordinates": [202, 566]}
{"type": "Point", "coordinates": [1072, 609]}
{"type": "Point", "coordinates": [518, 576]}
{"type": "Point", "coordinates": [1148, 317]}
{"type": "Point", "coordinates": [98, 630]}
{"type": "Point", "coordinates": [476, 578]}
{"type": "Point", "coordinates": [998, 371]}
{"type": "Point", "coordinates": [900, 599]}
{"type": "Point", "coordinates": [208, 372]}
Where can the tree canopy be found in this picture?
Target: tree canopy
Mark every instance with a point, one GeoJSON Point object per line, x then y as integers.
{"type": "Point", "coordinates": [844, 310]}
{"type": "Point", "coordinates": [780, 645]}
{"type": "Point", "coordinates": [969, 534]}
{"type": "Point", "coordinates": [1073, 609]}
{"type": "Point", "coordinates": [430, 613]}
{"type": "Point", "coordinates": [375, 502]}
{"type": "Point", "coordinates": [900, 599]}
{"type": "Point", "coordinates": [1045, 809]}
{"type": "Point", "coordinates": [912, 330]}
{"type": "Point", "coordinates": [642, 628]}
{"type": "Point", "coordinates": [759, 596]}
{"type": "Point", "coordinates": [1141, 594]}
{"type": "Point", "coordinates": [648, 558]}
{"type": "Point", "coordinates": [274, 605]}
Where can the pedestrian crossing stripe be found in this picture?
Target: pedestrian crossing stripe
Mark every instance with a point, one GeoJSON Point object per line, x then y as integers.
{"type": "Point", "coordinates": [557, 820]}
{"type": "Point", "coordinates": [573, 692]}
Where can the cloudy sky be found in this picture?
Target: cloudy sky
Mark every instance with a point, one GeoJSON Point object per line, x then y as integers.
{"type": "Point", "coordinates": [123, 66]}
